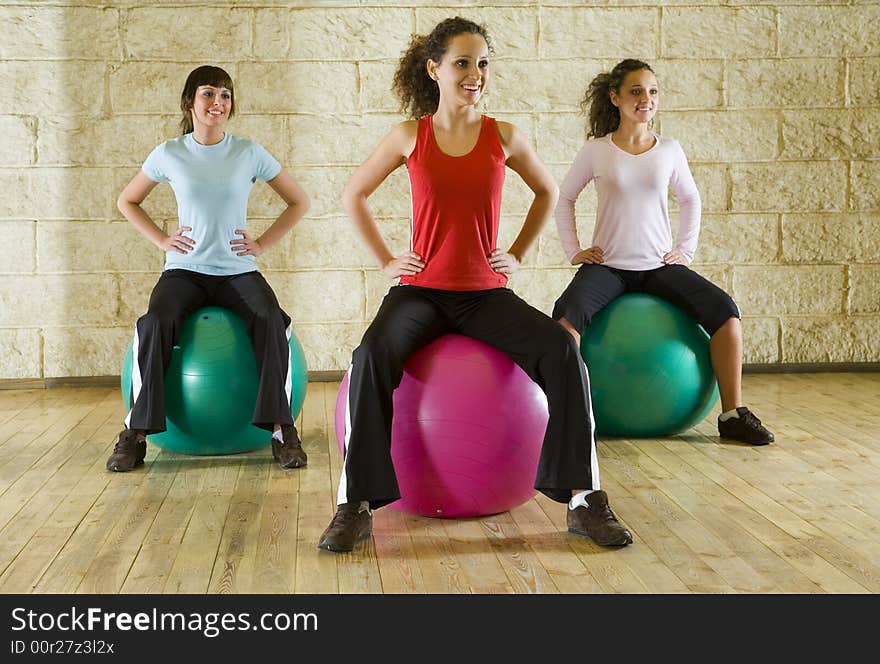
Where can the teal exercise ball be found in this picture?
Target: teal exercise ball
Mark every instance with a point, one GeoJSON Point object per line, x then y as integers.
{"type": "Point", "coordinates": [211, 386]}
{"type": "Point", "coordinates": [650, 370]}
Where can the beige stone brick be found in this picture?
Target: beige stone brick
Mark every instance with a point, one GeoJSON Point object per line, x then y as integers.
{"type": "Point", "coordinates": [20, 353]}
{"type": "Point", "coordinates": [331, 243]}
{"type": "Point", "coordinates": [689, 84]}
{"type": "Point", "coordinates": [830, 238]}
{"type": "Point", "coordinates": [795, 290]}
{"type": "Point", "coordinates": [49, 33]}
{"type": "Point", "coordinates": [300, 87]}
{"type": "Point", "coordinates": [151, 87]}
{"type": "Point", "coordinates": [865, 297]}
{"type": "Point", "coordinates": [713, 183]}
{"type": "Point", "coordinates": [134, 297]}
{"type": "Point", "coordinates": [93, 246]}
{"type": "Point", "coordinates": [549, 250]}
{"type": "Point", "coordinates": [831, 339]}
{"type": "Point", "coordinates": [761, 338]}
{"type": "Point", "coordinates": [160, 204]}
{"type": "Point", "coordinates": [828, 31]}
{"type": "Point", "coordinates": [43, 88]}
{"type": "Point", "coordinates": [831, 134]}
{"type": "Point", "coordinates": [265, 202]}
{"type": "Point", "coordinates": [328, 346]}
{"type": "Point", "coordinates": [351, 33]}
{"type": "Point", "coordinates": [56, 193]}
{"type": "Point", "coordinates": [560, 137]}
{"type": "Point", "coordinates": [325, 140]}
{"type": "Point", "coordinates": [864, 81]}
{"type": "Point", "coordinates": [85, 351]}
{"type": "Point", "coordinates": [377, 286]}
{"type": "Point", "coordinates": [270, 131]}
{"type": "Point", "coordinates": [587, 201]}
{"type": "Point", "coordinates": [20, 237]}
{"type": "Point", "coordinates": [117, 140]}
{"type": "Point", "coordinates": [375, 87]}
{"type": "Point", "coordinates": [391, 199]}
{"type": "Point", "coordinates": [166, 33]}
{"type": "Point", "coordinates": [69, 299]}
{"type": "Point", "coordinates": [864, 178]}
{"type": "Point", "coordinates": [720, 275]}
{"type": "Point", "coordinates": [718, 31]}
{"type": "Point", "coordinates": [598, 32]}
{"type": "Point", "coordinates": [782, 83]}
{"type": "Point", "coordinates": [516, 198]}
{"type": "Point", "coordinates": [320, 296]}
{"type": "Point", "coordinates": [324, 187]}
{"type": "Point", "coordinates": [738, 239]}
{"type": "Point", "coordinates": [541, 287]}
{"type": "Point", "coordinates": [789, 186]}
{"type": "Point", "coordinates": [513, 31]}
{"type": "Point", "coordinates": [17, 148]}
{"type": "Point", "coordinates": [530, 86]}
{"type": "Point", "coordinates": [724, 136]}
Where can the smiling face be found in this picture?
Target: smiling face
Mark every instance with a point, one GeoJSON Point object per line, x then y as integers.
{"type": "Point", "coordinates": [211, 106]}
{"type": "Point", "coordinates": [638, 97]}
{"type": "Point", "coordinates": [463, 72]}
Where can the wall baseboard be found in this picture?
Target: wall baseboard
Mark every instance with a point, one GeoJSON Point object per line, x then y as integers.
{"type": "Point", "coordinates": [336, 376]}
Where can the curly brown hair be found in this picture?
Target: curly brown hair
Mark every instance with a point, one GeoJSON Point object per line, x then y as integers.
{"type": "Point", "coordinates": [603, 117]}
{"type": "Point", "coordinates": [417, 91]}
{"type": "Point", "coordinates": [204, 75]}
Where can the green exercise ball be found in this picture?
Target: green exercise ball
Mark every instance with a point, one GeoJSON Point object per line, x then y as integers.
{"type": "Point", "coordinates": [211, 386]}
{"type": "Point", "coordinates": [650, 370]}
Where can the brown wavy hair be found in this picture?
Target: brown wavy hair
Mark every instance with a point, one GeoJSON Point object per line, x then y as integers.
{"type": "Point", "coordinates": [204, 75]}
{"type": "Point", "coordinates": [417, 91]}
{"type": "Point", "coordinates": [603, 117]}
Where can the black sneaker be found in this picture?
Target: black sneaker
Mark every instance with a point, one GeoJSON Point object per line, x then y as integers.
{"type": "Point", "coordinates": [290, 453]}
{"type": "Point", "coordinates": [746, 428]}
{"type": "Point", "coordinates": [598, 522]}
{"type": "Point", "coordinates": [129, 451]}
{"type": "Point", "coordinates": [349, 526]}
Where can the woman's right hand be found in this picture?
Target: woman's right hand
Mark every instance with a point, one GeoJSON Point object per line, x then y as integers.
{"type": "Point", "coordinates": [179, 242]}
{"type": "Point", "coordinates": [405, 264]}
{"type": "Point", "coordinates": [592, 255]}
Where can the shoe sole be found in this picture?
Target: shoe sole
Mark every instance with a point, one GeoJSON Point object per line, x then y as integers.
{"type": "Point", "coordinates": [583, 534]}
{"type": "Point", "coordinates": [328, 546]}
{"type": "Point", "coordinates": [748, 442]}
{"type": "Point", "coordinates": [137, 463]}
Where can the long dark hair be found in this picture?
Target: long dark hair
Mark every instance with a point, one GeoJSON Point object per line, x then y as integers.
{"type": "Point", "coordinates": [603, 117]}
{"type": "Point", "coordinates": [417, 91]}
{"type": "Point", "coordinates": [204, 75]}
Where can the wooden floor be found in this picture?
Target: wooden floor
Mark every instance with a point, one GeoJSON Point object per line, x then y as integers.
{"type": "Point", "coordinates": [799, 516]}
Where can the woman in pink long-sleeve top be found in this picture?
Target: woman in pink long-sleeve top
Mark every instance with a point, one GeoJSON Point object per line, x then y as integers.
{"type": "Point", "coordinates": [632, 248]}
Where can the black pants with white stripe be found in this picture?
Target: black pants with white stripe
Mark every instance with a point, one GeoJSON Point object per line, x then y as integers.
{"type": "Point", "coordinates": [410, 317]}
{"type": "Point", "coordinates": [177, 294]}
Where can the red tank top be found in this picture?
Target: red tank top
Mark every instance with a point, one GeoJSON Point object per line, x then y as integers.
{"type": "Point", "coordinates": [456, 204]}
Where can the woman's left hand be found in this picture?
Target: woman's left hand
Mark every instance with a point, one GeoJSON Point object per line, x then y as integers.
{"type": "Point", "coordinates": [675, 257]}
{"type": "Point", "coordinates": [503, 262]}
{"type": "Point", "coordinates": [245, 245]}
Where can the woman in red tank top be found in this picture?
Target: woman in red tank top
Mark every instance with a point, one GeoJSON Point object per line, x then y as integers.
{"type": "Point", "coordinates": [452, 280]}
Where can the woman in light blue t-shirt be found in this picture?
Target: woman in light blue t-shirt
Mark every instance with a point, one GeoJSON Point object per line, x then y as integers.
{"type": "Point", "coordinates": [210, 260]}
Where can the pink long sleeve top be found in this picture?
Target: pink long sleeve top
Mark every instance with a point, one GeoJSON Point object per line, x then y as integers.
{"type": "Point", "coordinates": [632, 220]}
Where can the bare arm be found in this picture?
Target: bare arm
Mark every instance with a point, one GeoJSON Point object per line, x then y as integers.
{"type": "Point", "coordinates": [390, 154]}
{"type": "Point", "coordinates": [297, 205]}
{"type": "Point", "coordinates": [525, 162]}
{"type": "Point", "coordinates": [129, 204]}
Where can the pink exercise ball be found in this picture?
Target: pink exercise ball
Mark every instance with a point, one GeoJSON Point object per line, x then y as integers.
{"type": "Point", "coordinates": [467, 430]}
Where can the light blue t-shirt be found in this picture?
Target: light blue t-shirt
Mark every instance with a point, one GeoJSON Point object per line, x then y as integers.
{"type": "Point", "coordinates": [212, 184]}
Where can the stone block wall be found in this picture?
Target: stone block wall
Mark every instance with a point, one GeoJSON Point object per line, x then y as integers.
{"type": "Point", "coordinates": [774, 101]}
